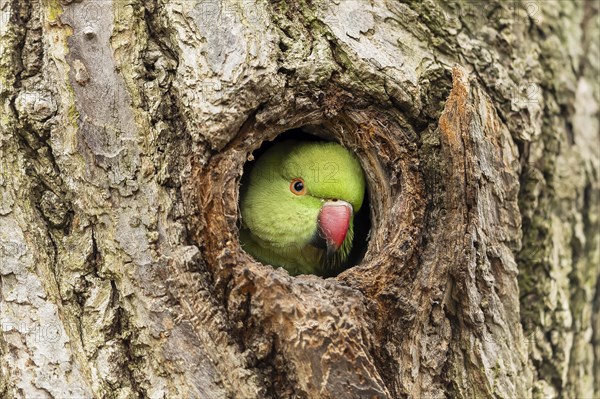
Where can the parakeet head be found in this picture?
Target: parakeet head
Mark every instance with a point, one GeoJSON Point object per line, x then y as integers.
{"type": "Point", "coordinates": [298, 205]}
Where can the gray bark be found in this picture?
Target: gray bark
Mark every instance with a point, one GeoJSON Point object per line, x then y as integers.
{"type": "Point", "coordinates": [124, 131]}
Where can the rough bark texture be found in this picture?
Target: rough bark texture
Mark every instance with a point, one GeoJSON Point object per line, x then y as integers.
{"type": "Point", "coordinates": [124, 131]}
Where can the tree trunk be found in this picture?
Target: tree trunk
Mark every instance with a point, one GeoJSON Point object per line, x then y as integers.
{"type": "Point", "coordinates": [125, 128]}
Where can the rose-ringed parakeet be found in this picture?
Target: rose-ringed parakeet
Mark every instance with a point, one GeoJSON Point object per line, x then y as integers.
{"type": "Point", "coordinates": [298, 206]}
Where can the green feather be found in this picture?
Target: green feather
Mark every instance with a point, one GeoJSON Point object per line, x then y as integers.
{"type": "Point", "coordinates": [278, 226]}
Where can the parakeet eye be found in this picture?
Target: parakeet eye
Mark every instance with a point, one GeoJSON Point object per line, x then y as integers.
{"type": "Point", "coordinates": [297, 186]}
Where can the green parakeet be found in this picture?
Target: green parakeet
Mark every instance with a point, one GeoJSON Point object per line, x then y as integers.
{"type": "Point", "coordinates": [298, 206]}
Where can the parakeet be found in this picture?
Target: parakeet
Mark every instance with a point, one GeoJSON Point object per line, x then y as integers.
{"type": "Point", "coordinates": [298, 206]}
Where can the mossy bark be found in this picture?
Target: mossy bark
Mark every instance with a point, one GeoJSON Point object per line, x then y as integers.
{"type": "Point", "coordinates": [124, 131]}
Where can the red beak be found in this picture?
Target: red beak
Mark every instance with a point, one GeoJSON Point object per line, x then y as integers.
{"type": "Point", "coordinates": [334, 220]}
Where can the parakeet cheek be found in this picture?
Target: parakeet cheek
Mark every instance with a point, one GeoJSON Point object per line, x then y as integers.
{"type": "Point", "coordinates": [282, 218]}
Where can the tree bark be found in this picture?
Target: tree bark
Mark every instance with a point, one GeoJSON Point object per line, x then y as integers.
{"type": "Point", "coordinates": [124, 133]}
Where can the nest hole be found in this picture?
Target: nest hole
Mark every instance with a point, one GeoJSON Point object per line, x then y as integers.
{"type": "Point", "coordinates": [389, 233]}
{"type": "Point", "coordinates": [362, 218]}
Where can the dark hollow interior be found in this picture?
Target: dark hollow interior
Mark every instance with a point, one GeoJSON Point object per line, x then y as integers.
{"type": "Point", "coordinates": [362, 221]}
